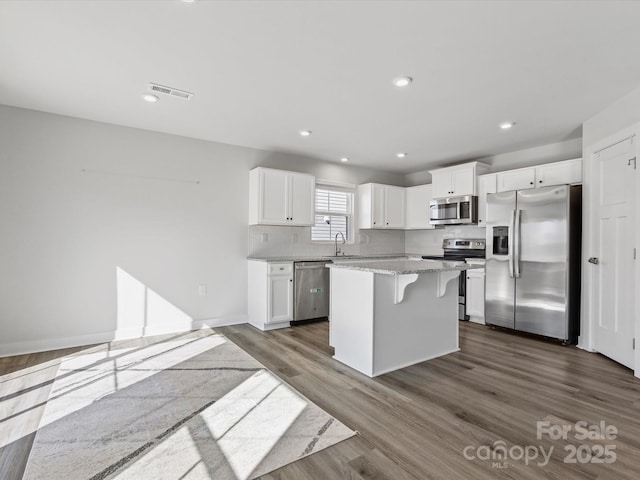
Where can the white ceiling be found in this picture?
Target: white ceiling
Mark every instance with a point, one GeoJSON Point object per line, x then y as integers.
{"type": "Point", "coordinates": [263, 70]}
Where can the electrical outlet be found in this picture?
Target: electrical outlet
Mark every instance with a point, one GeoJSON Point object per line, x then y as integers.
{"type": "Point", "coordinates": [202, 290]}
{"type": "Point", "coordinates": [265, 238]}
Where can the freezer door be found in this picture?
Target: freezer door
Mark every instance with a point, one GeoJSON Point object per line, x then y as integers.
{"type": "Point", "coordinates": [500, 284]}
{"type": "Point", "coordinates": [542, 260]}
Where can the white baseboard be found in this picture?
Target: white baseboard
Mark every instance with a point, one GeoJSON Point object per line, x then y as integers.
{"type": "Point", "coordinates": [43, 345]}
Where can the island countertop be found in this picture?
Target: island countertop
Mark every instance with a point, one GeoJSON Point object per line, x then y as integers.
{"type": "Point", "coordinates": [402, 267]}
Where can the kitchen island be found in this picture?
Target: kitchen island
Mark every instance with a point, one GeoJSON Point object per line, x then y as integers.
{"type": "Point", "coordinates": [389, 314]}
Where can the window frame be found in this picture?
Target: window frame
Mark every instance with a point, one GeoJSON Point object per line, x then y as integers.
{"type": "Point", "coordinates": [331, 186]}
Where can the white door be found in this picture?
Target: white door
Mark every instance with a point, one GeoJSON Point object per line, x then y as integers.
{"type": "Point", "coordinates": [475, 295]}
{"type": "Point", "coordinates": [394, 207]}
{"type": "Point", "coordinates": [303, 190]}
{"type": "Point", "coordinates": [280, 299]}
{"type": "Point", "coordinates": [274, 208]}
{"type": "Point", "coordinates": [614, 240]}
{"type": "Point", "coordinates": [441, 184]}
{"type": "Point", "coordinates": [486, 185]}
{"type": "Point", "coordinates": [463, 182]}
{"type": "Point", "coordinates": [377, 206]}
{"type": "Point", "coordinates": [417, 207]}
{"type": "Point", "coordinates": [516, 179]}
{"type": "Point", "coordinates": [559, 173]}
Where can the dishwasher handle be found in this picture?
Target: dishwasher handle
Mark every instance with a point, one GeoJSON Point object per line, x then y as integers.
{"type": "Point", "coordinates": [310, 266]}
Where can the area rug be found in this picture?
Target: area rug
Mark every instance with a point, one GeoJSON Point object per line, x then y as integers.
{"type": "Point", "coordinates": [183, 408]}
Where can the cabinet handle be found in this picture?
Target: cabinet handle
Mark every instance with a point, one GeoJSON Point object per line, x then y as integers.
{"type": "Point", "coordinates": [291, 279]}
{"type": "Point", "coordinates": [539, 181]}
{"type": "Point", "coordinates": [530, 183]}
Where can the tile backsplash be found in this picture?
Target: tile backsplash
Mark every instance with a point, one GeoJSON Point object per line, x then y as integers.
{"type": "Point", "coordinates": [291, 241]}
{"type": "Point", "coordinates": [429, 242]}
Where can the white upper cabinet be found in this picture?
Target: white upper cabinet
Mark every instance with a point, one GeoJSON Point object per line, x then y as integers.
{"type": "Point", "coordinates": [558, 173]}
{"type": "Point", "coordinates": [456, 181]}
{"type": "Point", "coordinates": [279, 197]}
{"type": "Point", "coordinates": [417, 208]}
{"type": "Point", "coordinates": [520, 179]}
{"type": "Point", "coordinates": [486, 185]}
{"type": "Point", "coordinates": [381, 206]}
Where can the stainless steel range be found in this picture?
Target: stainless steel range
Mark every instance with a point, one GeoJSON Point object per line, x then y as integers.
{"type": "Point", "coordinates": [459, 249]}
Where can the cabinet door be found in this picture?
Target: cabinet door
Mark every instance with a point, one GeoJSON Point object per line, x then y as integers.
{"type": "Point", "coordinates": [394, 207]}
{"type": "Point", "coordinates": [441, 182]}
{"type": "Point", "coordinates": [475, 293]}
{"type": "Point", "coordinates": [486, 184]}
{"type": "Point", "coordinates": [520, 179]}
{"type": "Point", "coordinates": [301, 201]}
{"type": "Point", "coordinates": [559, 173]}
{"type": "Point", "coordinates": [274, 198]}
{"type": "Point", "coordinates": [417, 207]}
{"type": "Point", "coordinates": [463, 182]}
{"type": "Point", "coordinates": [377, 206]}
{"type": "Point", "coordinates": [280, 298]}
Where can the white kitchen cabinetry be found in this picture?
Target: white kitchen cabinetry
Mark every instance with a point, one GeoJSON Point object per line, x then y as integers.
{"type": "Point", "coordinates": [381, 206]}
{"type": "Point", "coordinates": [558, 173]}
{"type": "Point", "coordinates": [270, 294]}
{"type": "Point", "coordinates": [279, 197]}
{"type": "Point", "coordinates": [417, 208]}
{"type": "Point", "coordinates": [457, 180]}
{"type": "Point", "coordinates": [475, 295]}
{"type": "Point", "coordinates": [519, 179]}
{"type": "Point", "coordinates": [486, 185]}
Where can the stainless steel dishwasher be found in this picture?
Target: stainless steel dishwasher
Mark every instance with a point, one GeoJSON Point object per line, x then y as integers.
{"type": "Point", "coordinates": [310, 290]}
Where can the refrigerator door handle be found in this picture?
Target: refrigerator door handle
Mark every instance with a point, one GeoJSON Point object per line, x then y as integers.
{"type": "Point", "coordinates": [516, 247]}
{"type": "Point", "coordinates": [510, 242]}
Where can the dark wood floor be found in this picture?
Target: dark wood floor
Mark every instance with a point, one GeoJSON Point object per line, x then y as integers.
{"type": "Point", "coordinates": [415, 423]}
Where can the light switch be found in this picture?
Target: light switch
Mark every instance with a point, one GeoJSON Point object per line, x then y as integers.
{"type": "Point", "coordinates": [202, 290]}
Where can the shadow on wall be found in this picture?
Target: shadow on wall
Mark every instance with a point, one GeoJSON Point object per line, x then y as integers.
{"type": "Point", "coordinates": [142, 312]}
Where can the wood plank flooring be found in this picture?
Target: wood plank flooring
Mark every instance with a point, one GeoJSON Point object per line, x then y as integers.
{"type": "Point", "coordinates": [415, 423]}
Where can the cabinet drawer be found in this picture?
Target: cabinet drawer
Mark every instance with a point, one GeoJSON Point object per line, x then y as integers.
{"type": "Point", "coordinates": [280, 269]}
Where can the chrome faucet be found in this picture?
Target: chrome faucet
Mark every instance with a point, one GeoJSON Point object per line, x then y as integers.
{"type": "Point", "coordinates": [338, 252]}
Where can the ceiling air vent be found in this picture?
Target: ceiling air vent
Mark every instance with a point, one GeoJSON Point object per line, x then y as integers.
{"type": "Point", "coordinates": [173, 92]}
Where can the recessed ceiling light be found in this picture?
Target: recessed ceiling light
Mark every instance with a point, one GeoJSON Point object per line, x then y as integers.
{"type": "Point", "coordinates": [401, 155]}
{"type": "Point", "coordinates": [402, 81]}
{"type": "Point", "coordinates": [148, 97]}
{"type": "Point", "coordinates": [188, 1]}
{"type": "Point", "coordinates": [506, 125]}
{"type": "Point", "coordinates": [305, 133]}
{"type": "Point", "coordinates": [344, 159]}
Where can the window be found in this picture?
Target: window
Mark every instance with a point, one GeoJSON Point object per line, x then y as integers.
{"type": "Point", "coordinates": [334, 212]}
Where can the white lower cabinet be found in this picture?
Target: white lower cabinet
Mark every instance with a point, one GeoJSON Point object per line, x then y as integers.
{"type": "Point", "coordinates": [270, 294]}
{"type": "Point", "coordinates": [475, 295]}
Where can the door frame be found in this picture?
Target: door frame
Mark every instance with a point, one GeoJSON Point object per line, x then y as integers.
{"type": "Point", "coordinates": [587, 328]}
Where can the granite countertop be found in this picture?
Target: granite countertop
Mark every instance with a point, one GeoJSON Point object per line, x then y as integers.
{"type": "Point", "coordinates": [320, 258]}
{"type": "Point", "coordinates": [401, 267]}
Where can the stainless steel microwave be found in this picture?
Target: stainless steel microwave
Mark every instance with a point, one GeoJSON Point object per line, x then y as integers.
{"type": "Point", "coordinates": [454, 210]}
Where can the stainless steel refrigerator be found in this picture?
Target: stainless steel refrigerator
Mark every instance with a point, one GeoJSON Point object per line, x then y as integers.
{"type": "Point", "coordinates": [533, 261]}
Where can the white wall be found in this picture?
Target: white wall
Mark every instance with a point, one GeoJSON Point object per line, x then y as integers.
{"type": "Point", "coordinates": [619, 115]}
{"type": "Point", "coordinates": [108, 228]}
